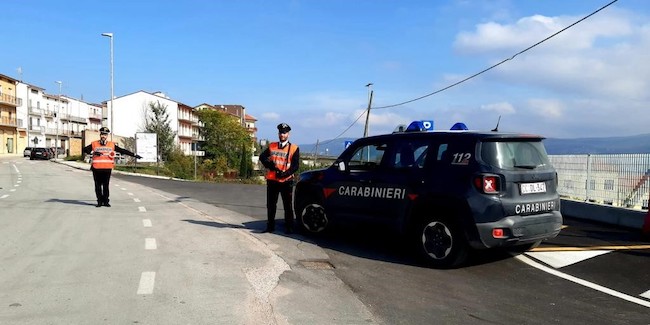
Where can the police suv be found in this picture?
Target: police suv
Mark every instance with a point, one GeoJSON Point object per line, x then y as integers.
{"type": "Point", "coordinates": [446, 191]}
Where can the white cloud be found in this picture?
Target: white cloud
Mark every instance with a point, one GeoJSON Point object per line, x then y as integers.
{"type": "Point", "coordinates": [591, 80]}
{"type": "Point", "coordinates": [501, 108]}
{"type": "Point", "coordinates": [271, 116]}
{"type": "Point", "coordinates": [546, 108]}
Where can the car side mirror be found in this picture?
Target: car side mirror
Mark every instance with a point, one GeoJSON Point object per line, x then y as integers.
{"type": "Point", "coordinates": [341, 166]}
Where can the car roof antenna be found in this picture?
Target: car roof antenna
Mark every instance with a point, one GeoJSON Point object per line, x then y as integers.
{"type": "Point", "coordinates": [496, 128]}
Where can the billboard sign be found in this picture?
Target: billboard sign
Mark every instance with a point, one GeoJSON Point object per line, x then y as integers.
{"type": "Point", "coordinates": [146, 145]}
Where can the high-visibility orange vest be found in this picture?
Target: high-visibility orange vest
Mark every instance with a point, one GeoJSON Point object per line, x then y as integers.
{"type": "Point", "coordinates": [107, 158]}
{"type": "Point", "coordinates": [282, 160]}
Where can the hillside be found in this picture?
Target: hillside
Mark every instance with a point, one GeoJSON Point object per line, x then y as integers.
{"type": "Point", "coordinates": [607, 145]}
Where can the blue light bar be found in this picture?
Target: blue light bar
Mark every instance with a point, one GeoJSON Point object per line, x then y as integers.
{"type": "Point", "coordinates": [459, 126]}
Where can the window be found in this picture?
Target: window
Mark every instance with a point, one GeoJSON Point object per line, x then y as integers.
{"type": "Point", "coordinates": [367, 157]}
{"type": "Point", "coordinates": [609, 184]}
{"type": "Point", "coordinates": [516, 153]}
{"type": "Point", "coordinates": [410, 155]}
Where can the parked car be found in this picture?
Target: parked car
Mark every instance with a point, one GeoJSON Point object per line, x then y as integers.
{"type": "Point", "coordinates": [27, 152]}
{"type": "Point", "coordinates": [40, 153]}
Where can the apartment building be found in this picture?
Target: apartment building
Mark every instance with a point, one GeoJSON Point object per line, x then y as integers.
{"type": "Point", "coordinates": [31, 117]}
{"type": "Point", "coordinates": [55, 120]}
{"type": "Point", "coordinates": [10, 136]}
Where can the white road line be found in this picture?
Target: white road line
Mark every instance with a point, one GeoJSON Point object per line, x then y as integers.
{"type": "Point", "coordinates": [150, 243]}
{"type": "Point", "coordinates": [583, 282]}
{"type": "Point", "coordinates": [19, 181]}
{"type": "Point", "coordinates": [147, 280]}
{"type": "Point", "coordinates": [131, 194]}
{"type": "Point", "coordinates": [646, 294]}
{"type": "Point", "coordinates": [123, 189]}
{"type": "Point", "coordinates": [16, 185]}
{"type": "Point", "coordinates": [4, 196]}
{"type": "Point", "coordinates": [142, 209]}
{"type": "Point", "coordinates": [146, 223]}
{"type": "Point", "coordinates": [136, 200]}
{"type": "Point", "coordinates": [16, 168]}
{"type": "Point", "coordinates": [12, 190]}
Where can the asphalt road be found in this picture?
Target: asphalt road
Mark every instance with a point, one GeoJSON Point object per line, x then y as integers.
{"type": "Point", "coordinates": [602, 273]}
{"type": "Point", "coordinates": [589, 274]}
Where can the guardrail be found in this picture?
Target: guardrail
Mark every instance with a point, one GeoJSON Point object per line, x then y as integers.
{"type": "Point", "coordinates": [620, 180]}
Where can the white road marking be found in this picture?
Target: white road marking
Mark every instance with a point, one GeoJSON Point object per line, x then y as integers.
{"type": "Point", "coordinates": [4, 196]}
{"type": "Point", "coordinates": [562, 259]}
{"type": "Point", "coordinates": [16, 168]}
{"type": "Point", "coordinates": [16, 185]}
{"type": "Point", "coordinates": [136, 200]}
{"type": "Point", "coordinates": [142, 209]}
{"type": "Point", "coordinates": [131, 194]}
{"type": "Point", "coordinates": [123, 189]}
{"type": "Point", "coordinates": [19, 181]}
{"type": "Point", "coordinates": [12, 190]}
{"type": "Point", "coordinates": [150, 243]}
{"type": "Point", "coordinates": [646, 294]}
{"type": "Point", "coordinates": [583, 282]}
{"type": "Point", "coordinates": [146, 223]}
{"type": "Point", "coordinates": [147, 280]}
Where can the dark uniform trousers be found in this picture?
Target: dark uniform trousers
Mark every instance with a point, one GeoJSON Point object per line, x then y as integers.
{"type": "Point", "coordinates": [284, 189]}
{"type": "Point", "coordinates": [102, 177]}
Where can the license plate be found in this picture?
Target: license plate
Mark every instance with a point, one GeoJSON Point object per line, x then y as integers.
{"type": "Point", "coordinates": [528, 188]}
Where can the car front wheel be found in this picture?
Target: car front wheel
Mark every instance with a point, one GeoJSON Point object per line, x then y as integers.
{"type": "Point", "coordinates": [312, 217]}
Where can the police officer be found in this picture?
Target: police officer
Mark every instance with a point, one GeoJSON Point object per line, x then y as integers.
{"type": "Point", "coordinates": [282, 161]}
{"type": "Point", "coordinates": [103, 162]}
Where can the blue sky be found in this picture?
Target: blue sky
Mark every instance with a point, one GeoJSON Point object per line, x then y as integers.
{"type": "Point", "coordinates": [306, 62]}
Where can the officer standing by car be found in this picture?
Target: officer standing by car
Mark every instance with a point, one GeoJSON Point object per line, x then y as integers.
{"type": "Point", "coordinates": [282, 160]}
{"type": "Point", "coordinates": [103, 162]}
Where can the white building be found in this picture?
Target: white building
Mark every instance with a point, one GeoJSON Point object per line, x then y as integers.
{"type": "Point", "coordinates": [131, 112]}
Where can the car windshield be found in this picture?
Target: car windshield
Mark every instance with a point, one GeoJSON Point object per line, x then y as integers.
{"type": "Point", "coordinates": [513, 154]}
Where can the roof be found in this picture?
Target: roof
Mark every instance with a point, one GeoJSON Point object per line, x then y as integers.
{"type": "Point", "coordinates": [7, 77]}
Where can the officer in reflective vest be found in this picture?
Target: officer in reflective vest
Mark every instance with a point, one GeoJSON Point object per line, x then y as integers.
{"type": "Point", "coordinates": [103, 161]}
{"type": "Point", "coordinates": [282, 160]}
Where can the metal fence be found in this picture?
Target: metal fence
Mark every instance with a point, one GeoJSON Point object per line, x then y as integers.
{"type": "Point", "coordinates": [619, 180]}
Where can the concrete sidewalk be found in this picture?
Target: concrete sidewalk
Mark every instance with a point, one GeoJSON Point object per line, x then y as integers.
{"type": "Point", "coordinates": [290, 281]}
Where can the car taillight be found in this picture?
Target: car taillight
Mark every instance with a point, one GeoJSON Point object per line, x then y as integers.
{"type": "Point", "coordinates": [488, 184]}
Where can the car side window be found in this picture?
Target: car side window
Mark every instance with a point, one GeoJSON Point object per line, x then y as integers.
{"type": "Point", "coordinates": [367, 157]}
{"type": "Point", "coordinates": [442, 154]}
{"type": "Point", "coordinates": [410, 155]}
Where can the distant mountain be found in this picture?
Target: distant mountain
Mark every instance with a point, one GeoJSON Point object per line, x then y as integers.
{"type": "Point", "coordinates": [608, 145]}
{"type": "Point", "coordinates": [611, 145]}
{"type": "Point", "coordinates": [330, 148]}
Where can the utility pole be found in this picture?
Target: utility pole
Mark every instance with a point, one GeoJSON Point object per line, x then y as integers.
{"type": "Point", "coordinates": [365, 130]}
{"type": "Point", "coordinates": [58, 118]}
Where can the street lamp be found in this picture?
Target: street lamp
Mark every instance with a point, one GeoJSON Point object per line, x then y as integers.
{"type": "Point", "coordinates": [110, 35]}
{"type": "Point", "coordinates": [58, 118]}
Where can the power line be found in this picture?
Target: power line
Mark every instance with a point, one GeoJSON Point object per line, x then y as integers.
{"type": "Point", "coordinates": [500, 63]}
{"type": "Point", "coordinates": [478, 73]}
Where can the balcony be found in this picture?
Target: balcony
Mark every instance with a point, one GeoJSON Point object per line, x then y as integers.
{"type": "Point", "coordinates": [35, 110]}
{"type": "Point", "coordinates": [5, 121]}
{"type": "Point", "coordinates": [95, 116]}
{"type": "Point", "coordinates": [36, 129]}
{"type": "Point", "coordinates": [10, 100]}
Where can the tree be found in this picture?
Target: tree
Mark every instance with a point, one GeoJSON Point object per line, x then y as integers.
{"type": "Point", "coordinates": [224, 139]}
{"type": "Point", "coordinates": [157, 121]}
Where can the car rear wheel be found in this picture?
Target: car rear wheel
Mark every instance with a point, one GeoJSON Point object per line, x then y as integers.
{"type": "Point", "coordinates": [312, 217]}
{"type": "Point", "coordinates": [440, 243]}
